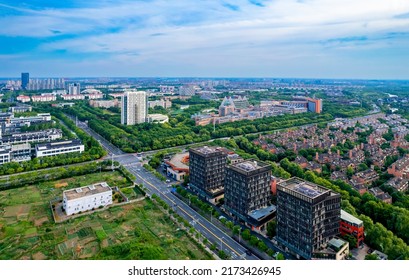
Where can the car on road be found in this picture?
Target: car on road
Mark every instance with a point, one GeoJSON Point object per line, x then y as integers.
{"type": "Point", "coordinates": [248, 252]}
{"type": "Point", "coordinates": [167, 181]}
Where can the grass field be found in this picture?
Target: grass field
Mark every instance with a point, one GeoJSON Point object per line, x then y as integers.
{"type": "Point", "coordinates": [27, 230]}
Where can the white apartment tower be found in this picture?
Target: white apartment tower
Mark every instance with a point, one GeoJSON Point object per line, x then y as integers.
{"type": "Point", "coordinates": [74, 89]}
{"type": "Point", "coordinates": [134, 108]}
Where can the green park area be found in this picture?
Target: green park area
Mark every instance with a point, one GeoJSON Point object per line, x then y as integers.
{"type": "Point", "coordinates": [137, 230]}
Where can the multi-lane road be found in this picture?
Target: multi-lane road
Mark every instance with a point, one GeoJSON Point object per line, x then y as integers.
{"type": "Point", "coordinates": [110, 148]}
{"type": "Point", "coordinates": [154, 186]}
{"type": "Point", "coordinates": [202, 225]}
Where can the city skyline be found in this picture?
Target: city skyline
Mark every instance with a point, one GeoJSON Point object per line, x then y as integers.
{"type": "Point", "coordinates": [248, 38]}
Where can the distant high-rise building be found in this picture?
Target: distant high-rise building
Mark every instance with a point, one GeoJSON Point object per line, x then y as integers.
{"type": "Point", "coordinates": [166, 89]}
{"type": "Point", "coordinates": [25, 79]}
{"type": "Point", "coordinates": [187, 90]}
{"type": "Point", "coordinates": [247, 192]}
{"type": "Point", "coordinates": [74, 89]}
{"type": "Point", "coordinates": [314, 105]}
{"type": "Point", "coordinates": [207, 171]}
{"type": "Point", "coordinates": [134, 108]}
{"type": "Point", "coordinates": [308, 216]}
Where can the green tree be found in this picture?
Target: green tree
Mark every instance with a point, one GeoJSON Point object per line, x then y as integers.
{"type": "Point", "coordinates": [262, 246]}
{"type": "Point", "coordinates": [236, 229]}
{"type": "Point", "coordinates": [351, 240]}
{"type": "Point", "coordinates": [350, 172]}
{"type": "Point", "coordinates": [371, 257]}
{"type": "Point", "coordinates": [271, 229]}
{"type": "Point", "coordinates": [246, 234]}
{"type": "Point", "coordinates": [230, 224]}
{"type": "Point", "coordinates": [253, 240]}
{"type": "Point", "coordinates": [280, 257]}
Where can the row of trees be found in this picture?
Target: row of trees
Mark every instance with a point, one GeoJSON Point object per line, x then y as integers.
{"type": "Point", "coordinates": [19, 180]}
{"type": "Point", "coordinates": [181, 129]}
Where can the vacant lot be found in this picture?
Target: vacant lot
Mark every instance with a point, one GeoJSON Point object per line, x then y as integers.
{"type": "Point", "coordinates": [134, 231]}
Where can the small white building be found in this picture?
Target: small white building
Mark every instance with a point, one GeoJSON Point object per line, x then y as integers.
{"type": "Point", "coordinates": [158, 118]}
{"type": "Point", "coordinates": [87, 198]}
{"type": "Point", "coordinates": [43, 98]}
{"type": "Point", "coordinates": [57, 148]}
{"type": "Point", "coordinates": [73, 97]}
{"type": "Point", "coordinates": [23, 98]}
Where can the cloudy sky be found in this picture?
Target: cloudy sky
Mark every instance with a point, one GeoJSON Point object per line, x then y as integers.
{"type": "Point", "coordinates": [206, 38]}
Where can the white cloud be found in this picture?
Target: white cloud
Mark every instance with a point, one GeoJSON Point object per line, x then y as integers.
{"type": "Point", "coordinates": [206, 33]}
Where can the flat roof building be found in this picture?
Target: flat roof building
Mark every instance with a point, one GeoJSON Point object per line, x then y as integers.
{"type": "Point", "coordinates": [36, 136]}
{"type": "Point", "coordinates": [87, 198]}
{"type": "Point", "coordinates": [247, 192]}
{"type": "Point", "coordinates": [134, 107]}
{"type": "Point", "coordinates": [335, 249]}
{"type": "Point", "coordinates": [352, 226]}
{"type": "Point", "coordinates": [57, 148]}
{"type": "Point", "coordinates": [207, 171]}
{"type": "Point", "coordinates": [176, 166]}
{"type": "Point", "coordinates": [20, 152]}
{"type": "Point", "coordinates": [308, 216]}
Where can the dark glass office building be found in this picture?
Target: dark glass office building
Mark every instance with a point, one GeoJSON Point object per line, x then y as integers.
{"type": "Point", "coordinates": [308, 216]}
{"type": "Point", "coordinates": [207, 170]}
{"type": "Point", "coordinates": [247, 191]}
{"type": "Point", "coordinates": [25, 79]}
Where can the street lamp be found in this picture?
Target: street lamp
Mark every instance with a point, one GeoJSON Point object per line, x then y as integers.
{"type": "Point", "coordinates": [239, 233]}
{"type": "Point", "coordinates": [221, 243]}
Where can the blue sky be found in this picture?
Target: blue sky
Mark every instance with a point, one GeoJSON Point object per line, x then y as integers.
{"type": "Point", "coordinates": [207, 38]}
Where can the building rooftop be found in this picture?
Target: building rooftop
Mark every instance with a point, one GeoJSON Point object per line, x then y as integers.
{"type": "Point", "coordinates": [207, 150]}
{"type": "Point", "coordinates": [250, 165]}
{"type": "Point", "coordinates": [349, 218]}
{"type": "Point", "coordinates": [86, 191]}
{"type": "Point", "coordinates": [59, 144]}
{"type": "Point", "coordinates": [263, 212]}
{"type": "Point", "coordinates": [25, 136]}
{"type": "Point", "coordinates": [376, 191]}
{"type": "Point", "coordinates": [178, 162]}
{"type": "Point", "coordinates": [304, 188]}
{"type": "Point", "coordinates": [19, 147]}
{"type": "Point", "coordinates": [336, 243]}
